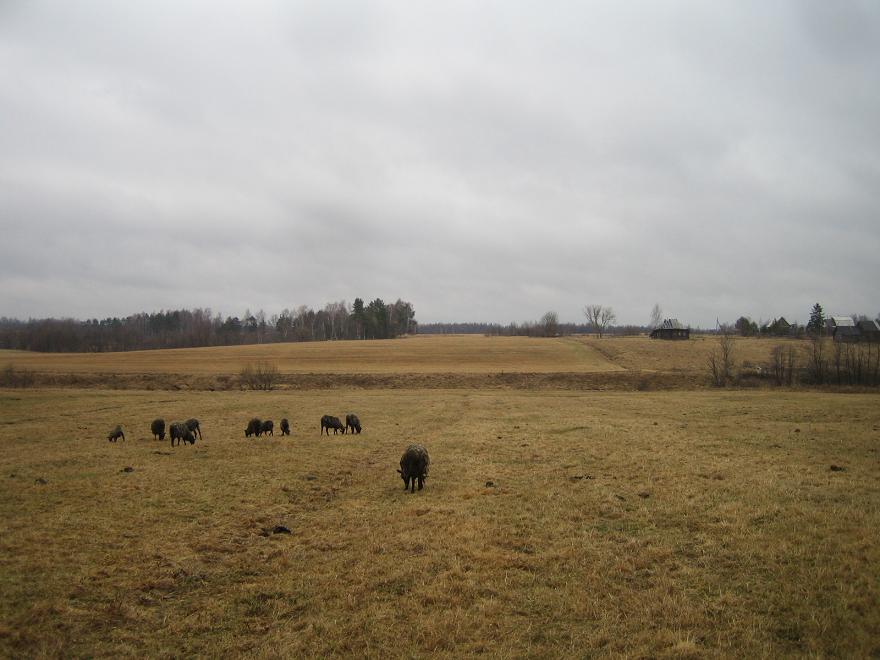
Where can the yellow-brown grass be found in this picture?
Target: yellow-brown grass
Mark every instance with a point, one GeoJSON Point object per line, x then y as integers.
{"type": "Point", "coordinates": [688, 356]}
{"type": "Point", "coordinates": [417, 354]}
{"type": "Point", "coordinates": [642, 524]}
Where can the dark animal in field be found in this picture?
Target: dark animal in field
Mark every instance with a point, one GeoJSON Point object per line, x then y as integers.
{"type": "Point", "coordinates": [115, 434]}
{"type": "Point", "coordinates": [158, 429]}
{"type": "Point", "coordinates": [254, 428]}
{"type": "Point", "coordinates": [193, 425]}
{"type": "Point", "coordinates": [180, 431]}
{"type": "Point", "coordinates": [285, 427]}
{"type": "Point", "coordinates": [414, 465]}
{"type": "Point", "coordinates": [330, 422]}
{"type": "Point", "coordinates": [267, 427]}
{"type": "Point", "coordinates": [352, 422]}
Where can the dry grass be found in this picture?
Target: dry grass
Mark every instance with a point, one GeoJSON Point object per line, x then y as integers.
{"type": "Point", "coordinates": [430, 361]}
{"type": "Point", "coordinates": [643, 524]}
{"type": "Point", "coordinates": [417, 354]}
{"type": "Point", "coordinates": [689, 356]}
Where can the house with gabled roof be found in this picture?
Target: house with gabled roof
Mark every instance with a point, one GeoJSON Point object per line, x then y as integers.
{"type": "Point", "coordinates": [842, 328]}
{"type": "Point", "coordinates": [671, 329]}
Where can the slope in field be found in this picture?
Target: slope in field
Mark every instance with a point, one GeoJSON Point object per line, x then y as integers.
{"type": "Point", "coordinates": [418, 354]}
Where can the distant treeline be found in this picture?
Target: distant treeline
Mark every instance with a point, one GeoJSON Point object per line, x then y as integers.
{"type": "Point", "coordinates": [526, 329]}
{"type": "Point", "coordinates": [186, 328]}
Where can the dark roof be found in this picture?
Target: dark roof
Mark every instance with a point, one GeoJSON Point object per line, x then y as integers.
{"type": "Point", "coordinates": [846, 330]}
{"type": "Point", "coordinates": [868, 326]}
{"type": "Point", "coordinates": [671, 324]}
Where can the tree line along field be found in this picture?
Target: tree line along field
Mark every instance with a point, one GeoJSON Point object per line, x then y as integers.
{"type": "Point", "coordinates": [686, 523]}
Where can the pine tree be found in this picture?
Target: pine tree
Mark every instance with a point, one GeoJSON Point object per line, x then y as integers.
{"type": "Point", "coordinates": [817, 320]}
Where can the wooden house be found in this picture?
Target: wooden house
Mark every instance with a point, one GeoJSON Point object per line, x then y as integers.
{"type": "Point", "coordinates": [671, 329]}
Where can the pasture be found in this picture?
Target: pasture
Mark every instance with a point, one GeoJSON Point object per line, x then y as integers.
{"type": "Point", "coordinates": [417, 354]}
{"type": "Point", "coordinates": [687, 523]}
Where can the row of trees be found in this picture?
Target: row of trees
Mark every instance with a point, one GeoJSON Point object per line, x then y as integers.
{"type": "Point", "coordinates": [599, 320]}
{"type": "Point", "coordinates": [186, 328]}
{"type": "Point", "coordinates": [818, 361]}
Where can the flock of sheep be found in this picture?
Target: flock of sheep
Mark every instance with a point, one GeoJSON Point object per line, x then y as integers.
{"type": "Point", "coordinates": [413, 464]}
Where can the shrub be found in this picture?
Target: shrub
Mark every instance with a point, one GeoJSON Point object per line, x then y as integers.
{"type": "Point", "coordinates": [12, 377]}
{"type": "Point", "coordinates": [259, 376]}
{"type": "Point", "coordinates": [721, 362]}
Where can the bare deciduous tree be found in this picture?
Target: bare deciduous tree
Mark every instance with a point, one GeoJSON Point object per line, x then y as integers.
{"type": "Point", "coordinates": [600, 317]}
{"type": "Point", "coordinates": [656, 316]}
{"type": "Point", "coordinates": [550, 324]}
{"type": "Point", "coordinates": [783, 365]}
{"type": "Point", "coordinates": [818, 361]}
{"type": "Point", "coordinates": [721, 362]}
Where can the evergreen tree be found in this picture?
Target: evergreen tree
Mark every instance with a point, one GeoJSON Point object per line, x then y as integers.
{"type": "Point", "coordinates": [817, 320]}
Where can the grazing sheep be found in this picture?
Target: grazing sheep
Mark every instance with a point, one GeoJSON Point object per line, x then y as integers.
{"type": "Point", "coordinates": [193, 425]}
{"type": "Point", "coordinates": [180, 431]}
{"type": "Point", "coordinates": [285, 427]}
{"type": "Point", "coordinates": [158, 429]}
{"type": "Point", "coordinates": [330, 422]}
{"type": "Point", "coordinates": [254, 428]}
{"type": "Point", "coordinates": [352, 422]}
{"type": "Point", "coordinates": [267, 427]}
{"type": "Point", "coordinates": [414, 465]}
{"type": "Point", "coordinates": [115, 434]}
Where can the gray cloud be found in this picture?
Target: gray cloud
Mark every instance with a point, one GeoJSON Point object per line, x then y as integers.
{"type": "Point", "coordinates": [486, 162]}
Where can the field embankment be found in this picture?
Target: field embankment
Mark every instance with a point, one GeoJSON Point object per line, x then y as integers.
{"type": "Point", "coordinates": [424, 361]}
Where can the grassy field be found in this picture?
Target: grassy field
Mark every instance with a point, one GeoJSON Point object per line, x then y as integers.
{"type": "Point", "coordinates": [431, 361]}
{"type": "Point", "coordinates": [703, 523]}
{"type": "Point", "coordinates": [417, 354]}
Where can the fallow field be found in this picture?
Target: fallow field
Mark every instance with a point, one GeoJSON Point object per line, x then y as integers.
{"type": "Point", "coordinates": [692, 522]}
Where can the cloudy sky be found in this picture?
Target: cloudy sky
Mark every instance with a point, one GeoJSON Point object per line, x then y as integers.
{"type": "Point", "coordinates": [487, 161]}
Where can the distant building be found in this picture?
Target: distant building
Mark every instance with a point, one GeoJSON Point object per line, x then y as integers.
{"type": "Point", "coordinates": [869, 330]}
{"type": "Point", "coordinates": [842, 328]}
{"type": "Point", "coordinates": [671, 329]}
{"type": "Point", "coordinates": [780, 327]}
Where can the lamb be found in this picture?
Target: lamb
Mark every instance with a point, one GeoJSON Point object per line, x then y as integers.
{"type": "Point", "coordinates": [352, 422]}
{"type": "Point", "coordinates": [158, 429]}
{"type": "Point", "coordinates": [193, 425]}
{"type": "Point", "coordinates": [180, 431]}
{"type": "Point", "coordinates": [115, 434]}
{"type": "Point", "coordinates": [254, 428]}
{"type": "Point", "coordinates": [285, 426]}
{"type": "Point", "coordinates": [330, 422]}
{"type": "Point", "coordinates": [414, 465]}
{"type": "Point", "coordinates": [267, 427]}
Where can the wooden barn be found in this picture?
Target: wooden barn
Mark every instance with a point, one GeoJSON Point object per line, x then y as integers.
{"type": "Point", "coordinates": [869, 330]}
{"type": "Point", "coordinates": [842, 328]}
{"type": "Point", "coordinates": [671, 329]}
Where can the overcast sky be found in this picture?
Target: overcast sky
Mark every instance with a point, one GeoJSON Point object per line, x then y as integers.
{"type": "Point", "coordinates": [486, 161]}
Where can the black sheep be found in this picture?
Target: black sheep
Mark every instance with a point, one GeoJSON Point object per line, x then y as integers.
{"type": "Point", "coordinates": [115, 434]}
{"type": "Point", "coordinates": [414, 465]}
{"type": "Point", "coordinates": [180, 431]}
{"type": "Point", "coordinates": [254, 428]}
{"type": "Point", "coordinates": [352, 422]}
{"type": "Point", "coordinates": [330, 422]}
{"type": "Point", "coordinates": [158, 429]}
{"type": "Point", "coordinates": [285, 427]}
{"type": "Point", "coordinates": [193, 425]}
{"type": "Point", "coordinates": [267, 427]}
